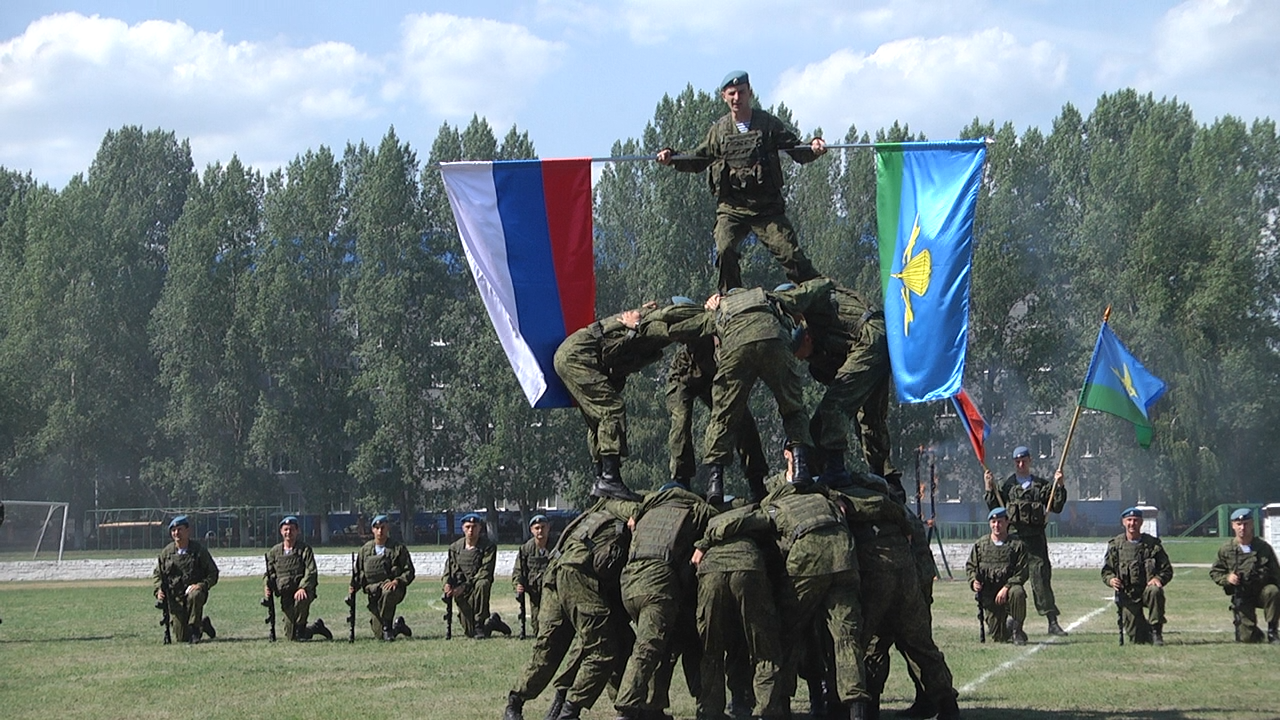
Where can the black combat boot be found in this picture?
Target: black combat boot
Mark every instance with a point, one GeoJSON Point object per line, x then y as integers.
{"type": "Point", "coordinates": [800, 474]}
{"type": "Point", "coordinates": [858, 710]}
{"type": "Point", "coordinates": [684, 482]}
{"type": "Point", "coordinates": [922, 707]}
{"type": "Point", "coordinates": [609, 484]}
{"type": "Point", "coordinates": [834, 475]}
{"type": "Point", "coordinates": [715, 484]}
{"type": "Point", "coordinates": [515, 707]}
{"type": "Point", "coordinates": [1273, 636]}
{"type": "Point", "coordinates": [755, 486]}
{"type": "Point", "coordinates": [557, 702]}
{"type": "Point", "coordinates": [495, 624]}
{"type": "Point", "coordinates": [207, 626]}
{"type": "Point", "coordinates": [1055, 628]}
{"type": "Point", "coordinates": [948, 708]}
{"type": "Point", "coordinates": [571, 710]}
{"type": "Point", "coordinates": [301, 633]}
{"type": "Point", "coordinates": [1016, 635]}
{"type": "Point", "coordinates": [388, 632]}
{"type": "Point", "coordinates": [400, 627]}
{"type": "Point", "coordinates": [318, 628]}
{"type": "Point", "coordinates": [1157, 635]}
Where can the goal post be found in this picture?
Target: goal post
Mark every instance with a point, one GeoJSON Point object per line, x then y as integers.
{"type": "Point", "coordinates": [33, 526]}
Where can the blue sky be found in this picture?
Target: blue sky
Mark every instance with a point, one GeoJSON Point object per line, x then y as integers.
{"type": "Point", "coordinates": [268, 80]}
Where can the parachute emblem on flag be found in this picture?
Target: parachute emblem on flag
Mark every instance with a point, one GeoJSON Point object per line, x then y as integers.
{"type": "Point", "coordinates": [914, 276]}
{"type": "Point", "coordinates": [1127, 380]}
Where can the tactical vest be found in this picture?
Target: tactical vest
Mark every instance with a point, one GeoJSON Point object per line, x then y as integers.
{"type": "Point", "coordinates": [744, 168]}
{"type": "Point", "coordinates": [735, 329]}
{"type": "Point", "coordinates": [799, 514]}
{"type": "Point", "coordinates": [1026, 510]}
{"type": "Point", "coordinates": [289, 570]}
{"type": "Point", "coordinates": [470, 560]}
{"type": "Point", "coordinates": [995, 565]}
{"type": "Point", "coordinates": [377, 568]}
{"type": "Point", "coordinates": [658, 533]}
{"type": "Point", "coordinates": [1135, 563]}
{"type": "Point", "coordinates": [605, 538]}
{"type": "Point", "coordinates": [184, 568]}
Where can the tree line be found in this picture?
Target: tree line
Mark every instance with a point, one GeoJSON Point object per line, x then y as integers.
{"type": "Point", "coordinates": [176, 337]}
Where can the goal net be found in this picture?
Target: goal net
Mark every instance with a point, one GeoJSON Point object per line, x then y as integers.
{"type": "Point", "coordinates": [33, 530]}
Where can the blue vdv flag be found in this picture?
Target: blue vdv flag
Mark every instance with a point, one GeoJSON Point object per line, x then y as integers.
{"type": "Point", "coordinates": [926, 194]}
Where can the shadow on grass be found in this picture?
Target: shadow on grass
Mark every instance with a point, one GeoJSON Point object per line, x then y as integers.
{"type": "Point", "coordinates": [971, 712]}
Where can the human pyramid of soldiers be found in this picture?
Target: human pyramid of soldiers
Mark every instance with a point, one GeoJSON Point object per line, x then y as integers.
{"type": "Point", "coordinates": [828, 558]}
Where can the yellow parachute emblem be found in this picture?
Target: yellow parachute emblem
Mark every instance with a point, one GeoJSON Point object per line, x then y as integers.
{"type": "Point", "coordinates": [915, 274]}
{"type": "Point", "coordinates": [1127, 380]}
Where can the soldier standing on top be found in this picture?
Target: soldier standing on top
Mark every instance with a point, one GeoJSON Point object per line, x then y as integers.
{"type": "Point", "coordinates": [740, 154]}
{"type": "Point", "coordinates": [1029, 499]}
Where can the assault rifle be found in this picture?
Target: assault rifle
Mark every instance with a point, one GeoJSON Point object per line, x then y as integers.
{"type": "Point", "coordinates": [1119, 599]}
{"type": "Point", "coordinates": [351, 602]}
{"type": "Point", "coordinates": [520, 599]}
{"type": "Point", "coordinates": [269, 602]}
{"type": "Point", "coordinates": [982, 617]}
{"type": "Point", "coordinates": [163, 605]}
{"type": "Point", "coordinates": [447, 599]}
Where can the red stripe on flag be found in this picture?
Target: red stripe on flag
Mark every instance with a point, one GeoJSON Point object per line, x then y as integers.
{"type": "Point", "coordinates": [973, 423]}
{"type": "Point", "coordinates": [566, 186]}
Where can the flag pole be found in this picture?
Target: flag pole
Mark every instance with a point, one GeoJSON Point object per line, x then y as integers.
{"type": "Point", "coordinates": [1066, 446]}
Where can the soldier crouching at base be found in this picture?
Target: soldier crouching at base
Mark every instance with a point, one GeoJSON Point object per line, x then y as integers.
{"type": "Point", "coordinates": [468, 579]}
{"type": "Point", "coordinates": [1137, 567]}
{"type": "Point", "coordinates": [997, 570]}
{"type": "Point", "coordinates": [384, 570]}
{"type": "Point", "coordinates": [183, 575]}
{"type": "Point", "coordinates": [1247, 570]}
{"type": "Point", "coordinates": [291, 568]}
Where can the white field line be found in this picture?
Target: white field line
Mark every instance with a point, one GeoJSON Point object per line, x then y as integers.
{"type": "Point", "coordinates": [973, 685]}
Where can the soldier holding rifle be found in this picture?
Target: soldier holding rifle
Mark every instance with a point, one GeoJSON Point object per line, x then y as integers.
{"type": "Point", "coordinates": [291, 568]}
{"type": "Point", "coordinates": [997, 570]}
{"type": "Point", "coordinates": [1137, 567]}
{"type": "Point", "coordinates": [182, 577]}
{"type": "Point", "coordinates": [531, 566]}
{"type": "Point", "coordinates": [1247, 570]}
{"type": "Point", "coordinates": [384, 571]}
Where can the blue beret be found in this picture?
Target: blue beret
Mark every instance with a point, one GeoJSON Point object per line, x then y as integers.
{"type": "Point", "coordinates": [472, 517]}
{"type": "Point", "coordinates": [735, 77]}
{"type": "Point", "coordinates": [682, 300]}
{"type": "Point", "coordinates": [1020, 452]}
{"type": "Point", "coordinates": [179, 520]}
{"type": "Point", "coordinates": [289, 520]}
{"type": "Point", "coordinates": [1131, 512]}
{"type": "Point", "coordinates": [1242, 514]}
{"type": "Point", "coordinates": [785, 287]}
{"type": "Point", "coordinates": [380, 520]}
{"type": "Point", "coordinates": [539, 518]}
{"type": "Point", "coordinates": [998, 512]}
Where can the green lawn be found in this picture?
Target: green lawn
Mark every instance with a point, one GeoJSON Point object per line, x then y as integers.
{"type": "Point", "coordinates": [93, 650]}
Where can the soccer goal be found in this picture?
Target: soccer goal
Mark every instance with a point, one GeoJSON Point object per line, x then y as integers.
{"type": "Point", "coordinates": [32, 527]}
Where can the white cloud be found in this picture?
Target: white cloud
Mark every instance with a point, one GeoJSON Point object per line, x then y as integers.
{"type": "Point", "coordinates": [457, 66]}
{"type": "Point", "coordinates": [69, 78]}
{"type": "Point", "coordinates": [935, 85]}
{"type": "Point", "coordinates": [1207, 38]}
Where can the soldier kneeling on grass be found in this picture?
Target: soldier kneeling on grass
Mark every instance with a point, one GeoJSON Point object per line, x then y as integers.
{"type": "Point", "coordinates": [1247, 570]}
{"type": "Point", "coordinates": [1137, 567]}
{"type": "Point", "coordinates": [291, 569]}
{"type": "Point", "coordinates": [183, 575]}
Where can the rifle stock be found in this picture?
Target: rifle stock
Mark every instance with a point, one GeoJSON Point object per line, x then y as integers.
{"type": "Point", "coordinates": [448, 615]}
{"type": "Point", "coordinates": [1119, 599]}
{"type": "Point", "coordinates": [982, 617]}
{"type": "Point", "coordinates": [163, 606]}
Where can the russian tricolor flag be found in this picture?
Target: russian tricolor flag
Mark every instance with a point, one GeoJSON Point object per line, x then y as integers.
{"type": "Point", "coordinates": [974, 425]}
{"type": "Point", "coordinates": [526, 230]}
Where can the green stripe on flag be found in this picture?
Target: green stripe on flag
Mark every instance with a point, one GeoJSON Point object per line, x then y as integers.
{"type": "Point", "coordinates": [889, 165]}
{"type": "Point", "coordinates": [1109, 400]}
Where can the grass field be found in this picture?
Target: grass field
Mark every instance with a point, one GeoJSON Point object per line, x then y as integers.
{"type": "Point", "coordinates": [93, 650]}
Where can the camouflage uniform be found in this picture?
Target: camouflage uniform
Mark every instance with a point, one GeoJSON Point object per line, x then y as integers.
{"type": "Point", "coordinates": [851, 357]}
{"type": "Point", "coordinates": [689, 378]}
{"type": "Point", "coordinates": [529, 571]}
{"type": "Point", "coordinates": [1136, 563]}
{"type": "Point", "coordinates": [737, 614]}
{"type": "Point", "coordinates": [744, 174]}
{"type": "Point", "coordinates": [471, 568]}
{"type": "Point", "coordinates": [175, 571]}
{"type": "Point", "coordinates": [892, 603]}
{"type": "Point", "coordinates": [594, 363]}
{"type": "Point", "coordinates": [293, 570]}
{"type": "Point", "coordinates": [1027, 519]}
{"type": "Point", "coordinates": [998, 566]}
{"type": "Point", "coordinates": [1260, 587]}
{"type": "Point", "coordinates": [373, 569]}
{"type": "Point", "coordinates": [658, 594]}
